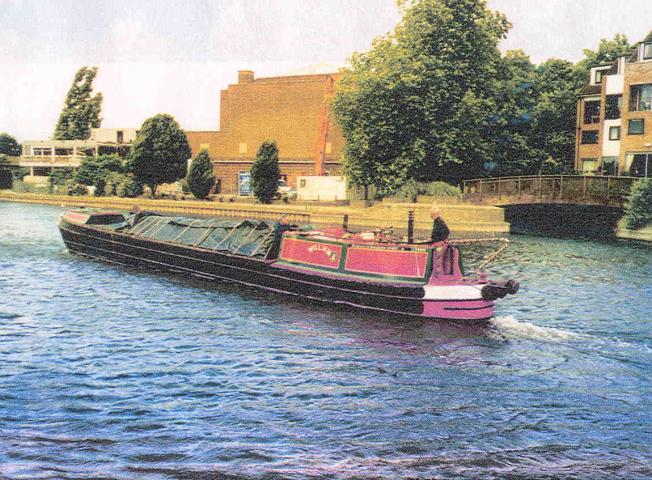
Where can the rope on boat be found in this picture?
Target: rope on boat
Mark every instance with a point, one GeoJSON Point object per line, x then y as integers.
{"type": "Point", "coordinates": [490, 258]}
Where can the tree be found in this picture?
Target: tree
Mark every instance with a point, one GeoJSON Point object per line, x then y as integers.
{"type": "Point", "coordinates": [607, 52]}
{"type": "Point", "coordinates": [200, 176]}
{"type": "Point", "coordinates": [94, 171]}
{"type": "Point", "coordinates": [265, 172]}
{"type": "Point", "coordinates": [9, 145]}
{"type": "Point", "coordinates": [160, 152]}
{"type": "Point", "coordinates": [81, 110]}
{"type": "Point", "coordinates": [638, 209]}
{"type": "Point", "coordinates": [420, 103]}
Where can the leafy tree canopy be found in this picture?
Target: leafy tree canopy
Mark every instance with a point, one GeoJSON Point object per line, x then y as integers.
{"type": "Point", "coordinates": [638, 210]}
{"type": "Point", "coordinates": [419, 103]}
{"type": "Point", "coordinates": [265, 172]}
{"type": "Point", "coordinates": [607, 52]}
{"type": "Point", "coordinates": [81, 110]}
{"type": "Point", "coordinates": [160, 152]}
{"type": "Point", "coordinates": [200, 176]}
{"type": "Point", "coordinates": [9, 145]}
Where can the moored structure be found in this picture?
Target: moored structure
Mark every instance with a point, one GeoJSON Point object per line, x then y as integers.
{"type": "Point", "coordinates": [614, 116]}
{"type": "Point", "coordinates": [291, 110]}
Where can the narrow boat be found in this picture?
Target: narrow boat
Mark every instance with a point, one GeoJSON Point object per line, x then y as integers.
{"type": "Point", "coordinates": [363, 270]}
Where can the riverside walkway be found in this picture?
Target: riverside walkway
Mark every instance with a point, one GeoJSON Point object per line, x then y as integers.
{"type": "Point", "coordinates": [461, 218]}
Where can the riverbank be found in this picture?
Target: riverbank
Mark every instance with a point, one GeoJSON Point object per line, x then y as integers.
{"type": "Point", "coordinates": [643, 234]}
{"type": "Point", "coordinates": [461, 218]}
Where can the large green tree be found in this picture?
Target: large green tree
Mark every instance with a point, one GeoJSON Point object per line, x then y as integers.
{"type": "Point", "coordinates": [420, 103]}
{"type": "Point", "coordinates": [200, 176]}
{"type": "Point", "coordinates": [9, 145]}
{"type": "Point", "coordinates": [160, 152]}
{"type": "Point", "coordinates": [265, 172]}
{"type": "Point", "coordinates": [82, 109]}
{"type": "Point", "coordinates": [607, 52]}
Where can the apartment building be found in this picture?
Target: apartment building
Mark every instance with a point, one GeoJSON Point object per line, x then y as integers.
{"type": "Point", "coordinates": [291, 110]}
{"type": "Point", "coordinates": [614, 117]}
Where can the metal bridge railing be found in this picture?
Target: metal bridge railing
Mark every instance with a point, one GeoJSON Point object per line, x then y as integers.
{"type": "Point", "coordinates": [604, 190]}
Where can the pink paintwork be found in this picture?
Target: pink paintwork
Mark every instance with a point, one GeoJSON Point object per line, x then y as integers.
{"type": "Point", "coordinates": [311, 252]}
{"type": "Point", "coordinates": [402, 263]}
{"type": "Point", "coordinates": [459, 309]}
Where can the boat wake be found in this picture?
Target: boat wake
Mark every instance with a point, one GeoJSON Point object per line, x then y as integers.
{"type": "Point", "coordinates": [510, 328]}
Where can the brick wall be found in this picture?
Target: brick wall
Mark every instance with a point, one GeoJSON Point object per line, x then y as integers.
{"type": "Point", "coordinates": [287, 110]}
{"type": "Point", "coordinates": [635, 73]}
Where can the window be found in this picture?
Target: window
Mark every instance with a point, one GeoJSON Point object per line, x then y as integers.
{"type": "Point", "coordinates": [588, 165]}
{"type": "Point", "coordinates": [302, 183]}
{"type": "Point", "coordinates": [63, 152]}
{"type": "Point", "coordinates": [612, 107]}
{"type": "Point", "coordinates": [592, 111]}
{"type": "Point", "coordinates": [640, 98]}
{"type": "Point", "coordinates": [120, 136]}
{"type": "Point", "coordinates": [647, 51]}
{"type": "Point", "coordinates": [590, 136]}
{"type": "Point", "coordinates": [614, 133]}
{"type": "Point", "coordinates": [41, 151]}
{"type": "Point", "coordinates": [638, 164]}
{"type": "Point", "coordinates": [609, 165]}
{"type": "Point", "coordinates": [636, 126]}
{"type": "Point", "coordinates": [598, 76]}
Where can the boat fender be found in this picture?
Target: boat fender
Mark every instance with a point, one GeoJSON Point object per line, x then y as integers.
{"type": "Point", "coordinates": [512, 286]}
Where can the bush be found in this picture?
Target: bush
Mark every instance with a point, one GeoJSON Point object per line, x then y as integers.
{"type": "Point", "coordinates": [638, 209]}
{"type": "Point", "coordinates": [265, 172]}
{"type": "Point", "coordinates": [72, 187]}
{"type": "Point", "coordinates": [94, 171]}
{"type": "Point", "coordinates": [122, 185]}
{"type": "Point", "coordinates": [410, 189]}
{"type": "Point", "coordinates": [200, 177]}
{"type": "Point", "coordinates": [58, 178]}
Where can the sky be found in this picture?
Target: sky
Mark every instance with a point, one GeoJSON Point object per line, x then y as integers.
{"type": "Point", "coordinates": [173, 56]}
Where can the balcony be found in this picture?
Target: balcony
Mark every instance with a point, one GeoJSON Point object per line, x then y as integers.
{"type": "Point", "coordinates": [50, 161]}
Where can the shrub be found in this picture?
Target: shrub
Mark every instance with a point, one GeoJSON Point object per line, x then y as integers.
{"type": "Point", "coordinates": [58, 178]}
{"type": "Point", "coordinates": [638, 209]}
{"type": "Point", "coordinates": [94, 171]}
{"type": "Point", "coordinates": [72, 187]}
{"type": "Point", "coordinates": [410, 189]}
{"type": "Point", "coordinates": [200, 177]}
{"type": "Point", "coordinates": [128, 187]}
{"type": "Point", "coordinates": [265, 172]}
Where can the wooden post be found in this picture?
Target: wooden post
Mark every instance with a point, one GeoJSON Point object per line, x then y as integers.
{"type": "Point", "coordinates": [561, 186]}
{"type": "Point", "coordinates": [608, 186]}
{"type": "Point", "coordinates": [584, 186]}
{"type": "Point", "coordinates": [345, 222]}
{"type": "Point", "coordinates": [519, 187]}
{"type": "Point", "coordinates": [480, 188]}
{"type": "Point", "coordinates": [499, 196]}
{"type": "Point", "coordinates": [410, 228]}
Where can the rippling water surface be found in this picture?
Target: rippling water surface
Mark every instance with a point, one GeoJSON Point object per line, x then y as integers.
{"type": "Point", "coordinates": [107, 372]}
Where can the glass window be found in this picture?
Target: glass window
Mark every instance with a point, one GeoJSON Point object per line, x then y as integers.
{"type": "Point", "coordinates": [640, 164]}
{"type": "Point", "coordinates": [41, 151]}
{"type": "Point", "coordinates": [614, 133]}
{"type": "Point", "coordinates": [588, 165]}
{"type": "Point", "coordinates": [598, 76]}
{"type": "Point", "coordinates": [609, 165]}
{"type": "Point", "coordinates": [636, 126]}
{"type": "Point", "coordinates": [592, 111]}
{"type": "Point", "coordinates": [612, 107]}
{"type": "Point", "coordinates": [640, 97]}
{"type": "Point", "coordinates": [647, 51]}
{"type": "Point", "coordinates": [590, 137]}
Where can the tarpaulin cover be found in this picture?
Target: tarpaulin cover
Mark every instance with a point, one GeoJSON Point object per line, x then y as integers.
{"type": "Point", "coordinates": [251, 238]}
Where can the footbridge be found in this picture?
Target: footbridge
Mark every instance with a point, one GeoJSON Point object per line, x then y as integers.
{"type": "Point", "coordinates": [608, 191]}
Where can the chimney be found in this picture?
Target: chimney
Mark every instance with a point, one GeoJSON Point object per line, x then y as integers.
{"type": "Point", "coordinates": [245, 76]}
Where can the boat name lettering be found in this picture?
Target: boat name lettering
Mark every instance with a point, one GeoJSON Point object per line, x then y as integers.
{"type": "Point", "coordinates": [323, 248]}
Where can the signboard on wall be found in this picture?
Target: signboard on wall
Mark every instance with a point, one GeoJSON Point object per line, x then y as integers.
{"type": "Point", "coordinates": [244, 184]}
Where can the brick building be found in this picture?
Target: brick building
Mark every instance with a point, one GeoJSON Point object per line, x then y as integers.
{"type": "Point", "coordinates": [291, 110]}
{"type": "Point", "coordinates": [614, 116]}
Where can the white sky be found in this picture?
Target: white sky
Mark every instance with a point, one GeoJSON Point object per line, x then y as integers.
{"type": "Point", "coordinates": [174, 56]}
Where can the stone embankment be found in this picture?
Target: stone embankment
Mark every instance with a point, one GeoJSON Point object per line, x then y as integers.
{"type": "Point", "coordinates": [461, 218]}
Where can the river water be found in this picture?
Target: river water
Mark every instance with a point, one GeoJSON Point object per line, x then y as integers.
{"type": "Point", "coordinates": [107, 372]}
